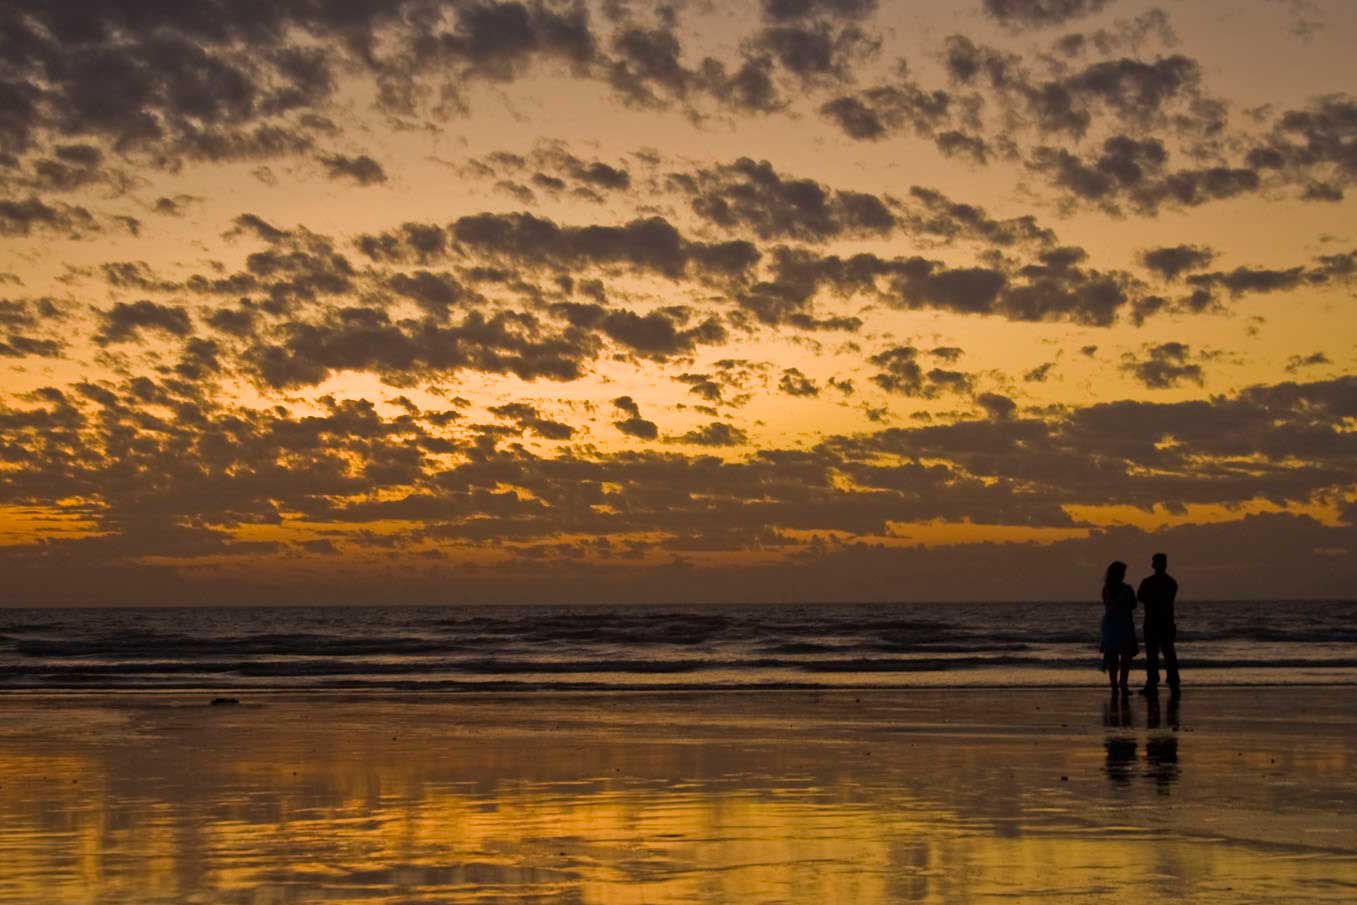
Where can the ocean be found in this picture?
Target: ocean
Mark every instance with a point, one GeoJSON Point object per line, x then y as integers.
{"type": "Point", "coordinates": [502, 648]}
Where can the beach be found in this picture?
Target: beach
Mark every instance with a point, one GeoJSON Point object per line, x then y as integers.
{"type": "Point", "coordinates": [865, 795]}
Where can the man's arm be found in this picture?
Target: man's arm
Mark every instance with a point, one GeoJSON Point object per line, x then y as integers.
{"type": "Point", "coordinates": [1140, 592]}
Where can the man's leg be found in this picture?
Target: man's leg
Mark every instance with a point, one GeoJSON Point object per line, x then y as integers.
{"type": "Point", "coordinates": [1170, 661]}
{"type": "Point", "coordinates": [1151, 659]}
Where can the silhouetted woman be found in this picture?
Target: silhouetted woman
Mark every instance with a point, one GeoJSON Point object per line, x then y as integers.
{"type": "Point", "coordinates": [1119, 628]}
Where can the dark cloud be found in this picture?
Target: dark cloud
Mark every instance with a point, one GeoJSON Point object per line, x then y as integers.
{"type": "Point", "coordinates": [717, 433]}
{"type": "Point", "coordinates": [302, 353]}
{"type": "Point", "coordinates": [1131, 90]}
{"type": "Point", "coordinates": [1040, 374]}
{"type": "Point", "coordinates": [650, 244]}
{"type": "Point", "coordinates": [752, 195]}
{"type": "Point", "coordinates": [997, 406]}
{"type": "Point", "coordinates": [176, 206]}
{"type": "Point", "coordinates": [702, 385]}
{"type": "Point", "coordinates": [72, 167]}
{"type": "Point", "coordinates": [30, 327]}
{"type": "Point", "coordinates": [791, 10]}
{"type": "Point", "coordinates": [953, 143]}
{"type": "Point", "coordinates": [901, 373]}
{"type": "Point", "coordinates": [553, 168]}
{"type": "Point", "coordinates": [1171, 262]}
{"type": "Point", "coordinates": [22, 218]}
{"type": "Point", "coordinates": [1298, 362]}
{"type": "Point", "coordinates": [659, 334]}
{"type": "Point", "coordinates": [647, 70]}
{"type": "Point", "coordinates": [361, 169]}
{"type": "Point", "coordinates": [249, 83]}
{"type": "Point", "coordinates": [815, 51]}
{"type": "Point", "coordinates": [945, 218]}
{"type": "Point", "coordinates": [124, 322]}
{"type": "Point", "coordinates": [1165, 365]}
{"type": "Point", "coordinates": [874, 113]}
{"type": "Point", "coordinates": [947, 353]}
{"type": "Point", "coordinates": [634, 425]}
{"type": "Point", "coordinates": [437, 293]}
{"type": "Point", "coordinates": [528, 418]}
{"type": "Point", "coordinates": [418, 242]}
{"type": "Point", "coordinates": [176, 485]}
{"type": "Point", "coordinates": [1054, 287]}
{"type": "Point", "coordinates": [1040, 13]}
{"type": "Point", "coordinates": [794, 383]}
{"type": "Point", "coordinates": [1325, 270]}
{"type": "Point", "coordinates": [1314, 146]}
{"type": "Point", "coordinates": [1135, 173]}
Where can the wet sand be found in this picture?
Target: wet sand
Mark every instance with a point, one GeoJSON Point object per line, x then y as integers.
{"type": "Point", "coordinates": [1237, 795]}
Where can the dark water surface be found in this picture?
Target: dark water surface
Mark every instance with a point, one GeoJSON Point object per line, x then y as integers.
{"type": "Point", "coordinates": [620, 647]}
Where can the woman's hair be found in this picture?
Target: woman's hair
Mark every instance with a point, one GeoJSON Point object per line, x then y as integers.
{"type": "Point", "coordinates": [1115, 573]}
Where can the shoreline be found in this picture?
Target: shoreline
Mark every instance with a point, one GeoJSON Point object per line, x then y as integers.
{"type": "Point", "coordinates": [492, 689]}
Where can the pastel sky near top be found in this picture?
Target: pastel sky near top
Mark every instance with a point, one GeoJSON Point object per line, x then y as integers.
{"type": "Point", "coordinates": [425, 302]}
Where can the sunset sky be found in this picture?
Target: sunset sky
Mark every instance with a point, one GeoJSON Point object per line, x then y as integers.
{"type": "Point", "coordinates": [325, 301]}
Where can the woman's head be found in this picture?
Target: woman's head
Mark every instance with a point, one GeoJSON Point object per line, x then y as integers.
{"type": "Point", "coordinates": [1115, 573]}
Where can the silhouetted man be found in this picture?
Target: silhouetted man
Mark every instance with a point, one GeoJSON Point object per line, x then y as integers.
{"type": "Point", "coordinates": [1157, 592]}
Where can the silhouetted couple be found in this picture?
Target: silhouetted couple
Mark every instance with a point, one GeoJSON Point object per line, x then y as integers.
{"type": "Point", "coordinates": [1119, 645]}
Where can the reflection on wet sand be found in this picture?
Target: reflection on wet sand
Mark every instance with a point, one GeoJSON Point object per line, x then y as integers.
{"type": "Point", "coordinates": [868, 798]}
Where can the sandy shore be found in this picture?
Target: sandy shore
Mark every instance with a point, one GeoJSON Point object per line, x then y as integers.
{"type": "Point", "coordinates": [865, 797]}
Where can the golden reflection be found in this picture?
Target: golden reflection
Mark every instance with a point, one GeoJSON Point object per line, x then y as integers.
{"type": "Point", "coordinates": [729, 798]}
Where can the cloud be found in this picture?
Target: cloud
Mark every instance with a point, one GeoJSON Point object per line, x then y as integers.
{"type": "Point", "coordinates": [794, 383]}
{"type": "Point", "coordinates": [437, 293]}
{"type": "Point", "coordinates": [22, 218]}
{"type": "Point", "coordinates": [752, 195]}
{"type": "Point", "coordinates": [657, 335]}
{"type": "Point", "coordinates": [1167, 365]}
{"type": "Point", "coordinates": [791, 10]}
{"type": "Point", "coordinates": [125, 321]}
{"type": "Point", "coordinates": [948, 219]}
{"type": "Point", "coordinates": [717, 433]}
{"type": "Point", "coordinates": [875, 113]}
{"type": "Point", "coordinates": [634, 425]}
{"type": "Point", "coordinates": [1040, 13]}
{"type": "Point", "coordinates": [362, 169]}
{"type": "Point", "coordinates": [28, 327]}
{"type": "Point", "coordinates": [303, 353]}
{"type": "Point", "coordinates": [1299, 362]}
{"type": "Point", "coordinates": [551, 167]}
{"type": "Point", "coordinates": [527, 417]}
{"type": "Point", "coordinates": [997, 406]}
{"type": "Point", "coordinates": [1314, 146]}
{"type": "Point", "coordinates": [650, 244]}
{"type": "Point", "coordinates": [815, 51]}
{"type": "Point", "coordinates": [901, 373]}
{"type": "Point", "coordinates": [1171, 262]}
{"type": "Point", "coordinates": [176, 206]}
{"type": "Point", "coordinates": [1135, 172]}
{"type": "Point", "coordinates": [420, 242]}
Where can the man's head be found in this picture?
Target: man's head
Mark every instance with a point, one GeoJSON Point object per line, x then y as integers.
{"type": "Point", "coordinates": [1159, 561]}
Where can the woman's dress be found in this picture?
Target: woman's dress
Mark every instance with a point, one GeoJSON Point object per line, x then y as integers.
{"type": "Point", "coordinates": [1119, 627]}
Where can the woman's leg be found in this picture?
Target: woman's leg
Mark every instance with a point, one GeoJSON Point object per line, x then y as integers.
{"type": "Point", "coordinates": [1113, 660]}
{"type": "Point", "coordinates": [1125, 672]}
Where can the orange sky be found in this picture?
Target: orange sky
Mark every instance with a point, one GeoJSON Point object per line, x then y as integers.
{"type": "Point", "coordinates": [557, 301]}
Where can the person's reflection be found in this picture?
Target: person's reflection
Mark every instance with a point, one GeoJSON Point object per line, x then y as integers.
{"type": "Point", "coordinates": [1117, 714]}
{"type": "Point", "coordinates": [1121, 758]}
{"type": "Point", "coordinates": [1153, 715]}
{"type": "Point", "coordinates": [1161, 754]}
